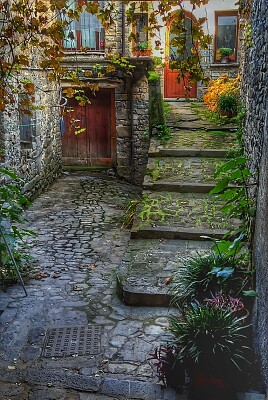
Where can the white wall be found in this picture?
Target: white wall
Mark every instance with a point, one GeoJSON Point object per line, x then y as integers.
{"type": "Point", "coordinates": [204, 11]}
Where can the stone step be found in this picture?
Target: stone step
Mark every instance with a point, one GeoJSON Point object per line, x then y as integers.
{"type": "Point", "coordinates": [161, 151]}
{"type": "Point", "coordinates": [186, 187]}
{"type": "Point", "coordinates": [147, 266]}
{"type": "Point", "coordinates": [177, 233]}
{"type": "Point", "coordinates": [178, 214]}
{"type": "Point", "coordinates": [182, 172]}
{"type": "Point", "coordinates": [197, 139]}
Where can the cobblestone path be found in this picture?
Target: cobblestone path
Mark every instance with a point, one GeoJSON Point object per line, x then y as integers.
{"type": "Point", "coordinates": [83, 259]}
{"type": "Point", "coordinates": [78, 249]}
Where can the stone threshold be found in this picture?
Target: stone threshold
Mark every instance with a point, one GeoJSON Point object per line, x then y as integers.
{"type": "Point", "coordinates": [176, 233]}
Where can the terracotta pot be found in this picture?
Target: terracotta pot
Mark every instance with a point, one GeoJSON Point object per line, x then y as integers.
{"type": "Point", "coordinates": [142, 53]}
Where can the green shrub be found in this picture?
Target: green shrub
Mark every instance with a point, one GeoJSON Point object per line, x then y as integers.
{"type": "Point", "coordinates": [227, 104]}
{"type": "Point", "coordinates": [209, 337]}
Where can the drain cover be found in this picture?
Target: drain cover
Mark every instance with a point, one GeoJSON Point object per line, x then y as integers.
{"type": "Point", "coordinates": [70, 341]}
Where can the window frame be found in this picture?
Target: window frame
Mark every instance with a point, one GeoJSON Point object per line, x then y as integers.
{"type": "Point", "coordinates": [26, 119]}
{"type": "Point", "coordinates": [225, 13]}
{"type": "Point", "coordinates": [78, 38]}
{"type": "Point", "coordinates": [134, 29]}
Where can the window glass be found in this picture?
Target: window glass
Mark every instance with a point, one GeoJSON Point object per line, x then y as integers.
{"type": "Point", "coordinates": [141, 21]}
{"type": "Point", "coordinates": [87, 32]}
{"type": "Point", "coordinates": [226, 34]}
{"type": "Point", "coordinates": [27, 126]}
{"type": "Point", "coordinates": [173, 56]}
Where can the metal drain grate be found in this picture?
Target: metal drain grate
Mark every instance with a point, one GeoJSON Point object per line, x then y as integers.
{"type": "Point", "coordinates": [72, 340]}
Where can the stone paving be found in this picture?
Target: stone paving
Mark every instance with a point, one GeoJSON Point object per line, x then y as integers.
{"type": "Point", "coordinates": [176, 213]}
{"type": "Point", "coordinates": [82, 259]}
{"type": "Point", "coordinates": [78, 249]}
{"type": "Point", "coordinates": [187, 169]}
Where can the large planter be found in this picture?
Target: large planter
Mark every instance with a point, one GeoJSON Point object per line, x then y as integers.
{"type": "Point", "coordinates": [209, 385]}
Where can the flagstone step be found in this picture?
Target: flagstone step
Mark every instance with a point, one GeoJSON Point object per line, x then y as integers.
{"type": "Point", "coordinates": [163, 232]}
{"type": "Point", "coordinates": [170, 210]}
{"type": "Point", "coordinates": [185, 187]}
{"type": "Point", "coordinates": [197, 139]}
{"type": "Point", "coordinates": [161, 151]}
{"type": "Point", "coordinates": [148, 266]}
{"type": "Point", "coordinates": [192, 174]}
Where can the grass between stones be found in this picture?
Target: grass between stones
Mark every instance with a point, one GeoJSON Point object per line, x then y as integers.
{"type": "Point", "coordinates": [188, 210]}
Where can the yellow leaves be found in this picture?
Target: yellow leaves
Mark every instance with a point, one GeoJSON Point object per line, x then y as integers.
{"type": "Point", "coordinates": [69, 92]}
{"type": "Point", "coordinates": [29, 87]}
{"type": "Point", "coordinates": [41, 7]}
{"type": "Point", "coordinates": [222, 85]}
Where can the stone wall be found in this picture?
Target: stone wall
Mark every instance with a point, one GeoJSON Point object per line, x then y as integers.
{"type": "Point", "coordinates": [255, 87]}
{"type": "Point", "coordinates": [39, 161]}
{"type": "Point", "coordinates": [132, 120]}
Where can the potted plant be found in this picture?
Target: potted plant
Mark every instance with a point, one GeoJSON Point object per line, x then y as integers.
{"type": "Point", "coordinates": [221, 270]}
{"type": "Point", "coordinates": [227, 104]}
{"type": "Point", "coordinates": [170, 370]}
{"type": "Point", "coordinates": [211, 343]}
{"type": "Point", "coordinates": [225, 53]}
{"type": "Point", "coordinates": [141, 49]}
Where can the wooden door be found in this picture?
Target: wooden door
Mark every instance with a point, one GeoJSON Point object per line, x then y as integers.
{"type": "Point", "coordinates": [96, 145]}
{"type": "Point", "coordinates": [173, 89]}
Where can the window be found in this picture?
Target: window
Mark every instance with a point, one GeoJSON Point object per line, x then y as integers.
{"type": "Point", "coordinates": [173, 56]}
{"type": "Point", "coordinates": [226, 33]}
{"type": "Point", "coordinates": [27, 126]}
{"type": "Point", "coordinates": [141, 23]}
{"type": "Point", "coordinates": [87, 32]}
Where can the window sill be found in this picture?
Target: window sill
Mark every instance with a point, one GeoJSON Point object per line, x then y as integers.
{"type": "Point", "coordinates": [223, 65]}
{"type": "Point", "coordinates": [26, 145]}
{"type": "Point", "coordinates": [75, 52]}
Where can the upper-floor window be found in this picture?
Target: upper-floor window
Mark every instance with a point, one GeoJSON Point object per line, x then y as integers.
{"type": "Point", "coordinates": [226, 33]}
{"type": "Point", "coordinates": [27, 125]}
{"type": "Point", "coordinates": [87, 32]}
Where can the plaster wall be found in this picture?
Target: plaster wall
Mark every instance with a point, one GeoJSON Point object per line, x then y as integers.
{"type": "Point", "coordinates": [207, 56]}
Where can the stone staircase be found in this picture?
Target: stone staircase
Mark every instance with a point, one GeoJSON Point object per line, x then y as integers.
{"type": "Point", "coordinates": [176, 210]}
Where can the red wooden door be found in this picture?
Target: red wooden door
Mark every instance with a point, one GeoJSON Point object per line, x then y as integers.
{"type": "Point", "coordinates": [96, 145]}
{"type": "Point", "coordinates": [173, 89]}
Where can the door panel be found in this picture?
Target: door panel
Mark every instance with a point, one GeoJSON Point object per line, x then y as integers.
{"type": "Point", "coordinates": [94, 146]}
{"type": "Point", "coordinates": [173, 89]}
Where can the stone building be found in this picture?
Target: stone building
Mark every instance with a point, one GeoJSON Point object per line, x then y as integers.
{"type": "Point", "coordinates": [31, 143]}
{"type": "Point", "coordinates": [115, 121]}
{"type": "Point", "coordinates": [255, 95]}
{"type": "Point", "coordinates": [222, 25]}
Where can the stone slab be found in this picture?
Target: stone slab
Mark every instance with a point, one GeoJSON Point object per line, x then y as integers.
{"type": "Point", "coordinates": [198, 139]}
{"type": "Point", "coordinates": [251, 396]}
{"type": "Point", "coordinates": [132, 389]}
{"type": "Point", "coordinates": [190, 152]}
{"type": "Point", "coordinates": [144, 274]}
{"type": "Point", "coordinates": [175, 233]}
{"type": "Point", "coordinates": [179, 187]}
{"type": "Point", "coordinates": [187, 170]}
{"type": "Point", "coordinates": [182, 210]}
